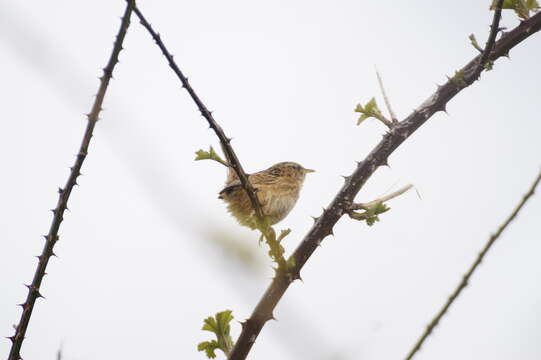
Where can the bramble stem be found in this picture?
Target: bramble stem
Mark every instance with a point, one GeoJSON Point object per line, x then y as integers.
{"type": "Point", "coordinates": [52, 237]}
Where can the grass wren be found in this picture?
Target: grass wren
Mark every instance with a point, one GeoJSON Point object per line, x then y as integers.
{"type": "Point", "coordinates": [276, 188]}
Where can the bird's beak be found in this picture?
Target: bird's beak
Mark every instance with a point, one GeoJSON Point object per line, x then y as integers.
{"type": "Point", "coordinates": [306, 171]}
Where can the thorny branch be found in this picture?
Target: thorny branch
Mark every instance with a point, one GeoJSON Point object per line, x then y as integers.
{"type": "Point", "coordinates": [378, 157]}
{"type": "Point", "coordinates": [52, 237]}
{"type": "Point", "coordinates": [471, 270]}
{"type": "Point", "coordinates": [263, 226]}
{"type": "Point", "coordinates": [224, 140]}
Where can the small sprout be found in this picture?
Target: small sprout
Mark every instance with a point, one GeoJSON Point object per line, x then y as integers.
{"type": "Point", "coordinates": [371, 109]}
{"type": "Point", "coordinates": [210, 155]}
{"type": "Point", "coordinates": [374, 208]}
{"type": "Point", "coordinates": [219, 325]}
{"type": "Point", "coordinates": [371, 214]}
{"type": "Point", "coordinates": [474, 43]}
{"type": "Point", "coordinates": [283, 234]}
{"type": "Point", "coordinates": [374, 211]}
{"type": "Point", "coordinates": [521, 7]}
{"type": "Point", "coordinates": [458, 79]}
{"type": "Point", "coordinates": [489, 64]}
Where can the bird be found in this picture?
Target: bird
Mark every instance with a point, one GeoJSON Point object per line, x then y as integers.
{"type": "Point", "coordinates": [277, 189]}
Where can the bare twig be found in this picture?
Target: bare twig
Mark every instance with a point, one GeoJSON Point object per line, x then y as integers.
{"type": "Point", "coordinates": [366, 206]}
{"type": "Point", "coordinates": [386, 99]}
{"type": "Point", "coordinates": [491, 38]}
{"type": "Point", "coordinates": [378, 157]}
{"type": "Point", "coordinates": [52, 237]}
{"type": "Point", "coordinates": [224, 140]}
{"type": "Point", "coordinates": [471, 270]}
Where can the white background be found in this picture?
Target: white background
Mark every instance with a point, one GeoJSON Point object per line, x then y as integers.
{"type": "Point", "coordinates": [147, 250]}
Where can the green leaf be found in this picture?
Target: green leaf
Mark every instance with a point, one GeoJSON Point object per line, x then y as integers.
{"type": "Point", "coordinates": [219, 325]}
{"type": "Point", "coordinates": [210, 155]}
{"type": "Point", "coordinates": [521, 7]}
{"type": "Point", "coordinates": [205, 155]}
{"type": "Point", "coordinates": [208, 347]}
{"type": "Point", "coordinates": [371, 109]}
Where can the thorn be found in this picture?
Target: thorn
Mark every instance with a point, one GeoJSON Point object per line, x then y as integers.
{"type": "Point", "coordinates": [315, 218]}
{"type": "Point", "coordinates": [38, 295]}
{"type": "Point", "coordinates": [346, 178]}
{"type": "Point", "coordinates": [271, 317]}
{"type": "Point", "coordinates": [297, 276]}
{"type": "Point", "coordinates": [12, 338]}
{"type": "Point", "coordinates": [385, 162]}
{"type": "Point", "coordinates": [228, 140]}
{"type": "Point", "coordinates": [60, 190]}
{"type": "Point", "coordinates": [443, 108]}
{"type": "Point", "coordinates": [330, 232]}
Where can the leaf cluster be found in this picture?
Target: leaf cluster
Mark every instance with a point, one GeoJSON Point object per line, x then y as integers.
{"type": "Point", "coordinates": [522, 8]}
{"type": "Point", "coordinates": [371, 214]}
{"type": "Point", "coordinates": [210, 155]}
{"type": "Point", "coordinates": [369, 110]}
{"type": "Point", "coordinates": [219, 325]}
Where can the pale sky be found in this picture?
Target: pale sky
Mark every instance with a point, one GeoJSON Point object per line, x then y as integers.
{"type": "Point", "coordinates": [147, 251]}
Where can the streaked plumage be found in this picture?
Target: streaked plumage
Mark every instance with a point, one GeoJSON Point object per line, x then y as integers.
{"type": "Point", "coordinates": [277, 190]}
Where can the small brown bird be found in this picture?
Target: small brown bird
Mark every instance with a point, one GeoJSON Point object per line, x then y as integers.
{"type": "Point", "coordinates": [277, 190]}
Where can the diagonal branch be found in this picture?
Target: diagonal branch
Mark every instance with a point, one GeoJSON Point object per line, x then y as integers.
{"type": "Point", "coordinates": [224, 140]}
{"type": "Point", "coordinates": [471, 270]}
{"type": "Point", "coordinates": [52, 237]}
{"type": "Point", "coordinates": [378, 157]}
